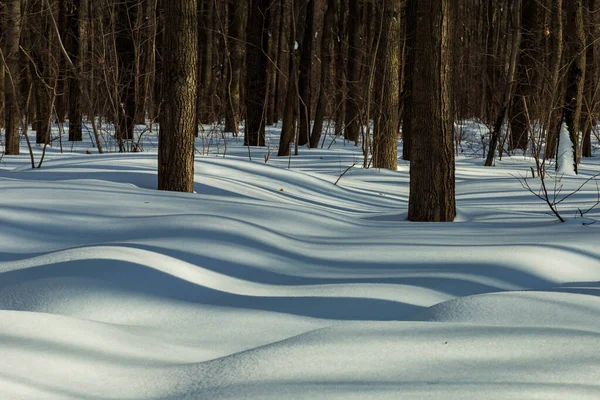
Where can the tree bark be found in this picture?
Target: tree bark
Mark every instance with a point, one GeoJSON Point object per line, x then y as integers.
{"type": "Point", "coordinates": [257, 41]}
{"type": "Point", "coordinates": [304, 80]}
{"type": "Point", "coordinates": [326, 58]}
{"type": "Point", "coordinates": [353, 84]}
{"type": "Point", "coordinates": [239, 15]}
{"type": "Point", "coordinates": [178, 116]}
{"type": "Point", "coordinates": [387, 124]}
{"type": "Point", "coordinates": [12, 78]}
{"type": "Point", "coordinates": [409, 67]}
{"type": "Point", "coordinates": [576, 40]}
{"type": "Point", "coordinates": [432, 191]}
{"type": "Point", "coordinates": [73, 44]}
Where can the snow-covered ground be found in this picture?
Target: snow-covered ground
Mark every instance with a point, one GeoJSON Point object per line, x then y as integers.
{"type": "Point", "coordinates": [271, 282]}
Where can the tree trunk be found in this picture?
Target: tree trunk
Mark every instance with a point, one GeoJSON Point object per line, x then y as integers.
{"type": "Point", "coordinates": [73, 44]}
{"type": "Point", "coordinates": [387, 124]}
{"type": "Point", "coordinates": [178, 116]}
{"type": "Point", "coordinates": [526, 76]}
{"type": "Point", "coordinates": [409, 67]}
{"type": "Point", "coordinates": [555, 117]}
{"type": "Point", "coordinates": [274, 56]}
{"type": "Point", "coordinates": [125, 48]}
{"type": "Point", "coordinates": [12, 77]}
{"type": "Point", "coordinates": [432, 196]}
{"type": "Point", "coordinates": [239, 15]}
{"type": "Point", "coordinates": [510, 84]}
{"type": "Point", "coordinates": [304, 80]}
{"type": "Point", "coordinates": [576, 39]}
{"type": "Point", "coordinates": [257, 41]}
{"type": "Point", "coordinates": [326, 58]}
{"type": "Point", "coordinates": [354, 87]}
{"type": "Point", "coordinates": [206, 60]}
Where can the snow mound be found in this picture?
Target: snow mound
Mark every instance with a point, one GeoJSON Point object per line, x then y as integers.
{"type": "Point", "coordinates": [534, 309]}
{"type": "Point", "coordinates": [565, 161]}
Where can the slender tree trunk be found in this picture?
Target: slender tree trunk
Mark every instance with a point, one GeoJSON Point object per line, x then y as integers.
{"type": "Point", "coordinates": [510, 84]}
{"type": "Point", "coordinates": [257, 36]}
{"type": "Point", "coordinates": [74, 38]}
{"type": "Point", "coordinates": [274, 56]}
{"type": "Point", "coordinates": [575, 82]}
{"type": "Point", "coordinates": [341, 51]}
{"type": "Point", "coordinates": [239, 15]}
{"type": "Point", "coordinates": [206, 58]}
{"type": "Point", "coordinates": [409, 71]}
{"type": "Point", "coordinates": [12, 77]}
{"type": "Point", "coordinates": [304, 80]}
{"type": "Point", "coordinates": [326, 58]}
{"type": "Point", "coordinates": [125, 47]}
{"type": "Point", "coordinates": [526, 76]}
{"type": "Point", "coordinates": [556, 38]}
{"type": "Point", "coordinates": [178, 116]}
{"type": "Point", "coordinates": [387, 124]}
{"type": "Point", "coordinates": [354, 87]}
{"type": "Point", "coordinates": [432, 196]}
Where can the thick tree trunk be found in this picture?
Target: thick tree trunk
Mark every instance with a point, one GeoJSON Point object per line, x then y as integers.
{"type": "Point", "coordinates": [576, 39]}
{"type": "Point", "coordinates": [178, 116]}
{"type": "Point", "coordinates": [432, 191]}
{"type": "Point", "coordinates": [257, 41]}
{"type": "Point", "coordinates": [387, 124]}
{"type": "Point", "coordinates": [12, 77]}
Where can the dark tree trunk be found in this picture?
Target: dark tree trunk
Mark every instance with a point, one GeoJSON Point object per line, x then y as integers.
{"type": "Point", "coordinates": [354, 87]}
{"type": "Point", "coordinates": [409, 70]}
{"type": "Point", "coordinates": [125, 48]}
{"type": "Point", "coordinates": [387, 124]}
{"type": "Point", "coordinates": [178, 116]}
{"type": "Point", "coordinates": [526, 76]}
{"type": "Point", "coordinates": [304, 80]}
{"type": "Point", "coordinates": [73, 45]}
{"type": "Point", "coordinates": [12, 77]}
{"type": "Point", "coordinates": [239, 14]}
{"type": "Point", "coordinates": [556, 38]}
{"type": "Point", "coordinates": [432, 196]}
{"type": "Point", "coordinates": [274, 56]}
{"type": "Point", "coordinates": [326, 58]}
{"type": "Point", "coordinates": [206, 60]}
{"type": "Point", "coordinates": [257, 41]}
{"type": "Point", "coordinates": [576, 40]}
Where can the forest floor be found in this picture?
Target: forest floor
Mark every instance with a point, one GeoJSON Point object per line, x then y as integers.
{"type": "Point", "coordinates": [271, 282]}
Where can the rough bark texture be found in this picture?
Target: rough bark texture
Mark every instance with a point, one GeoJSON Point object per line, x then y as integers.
{"type": "Point", "coordinates": [387, 124]}
{"type": "Point", "coordinates": [239, 15]}
{"type": "Point", "coordinates": [326, 58]}
{"type": "Point", "coordinates": [257, 37]}
{"type": "Point", "coordinates": [409, 67]}
{"type": "Point", "coordinates": [206, 112]}
{"type": "Point", "coordinates": [12, 77]}
{"type": "Point", "coordinates": [354, 95]}
{"type": "Point", "coordinates": [432, 196]}
{"type": "Point", "coordinates": [178, 116]}
{"type": "Point", "coordinates": [304, 80]}
{"type": "Point", "coordinates": [556, 38]}
{"type": "Point", "coordinates": [526, 76]}
{"type": "Point", "coordinates": [125, 48]}
{"type": "Point", "coordinates": [73, 44]}
{"type": "Point", "coordinates": [576, 41]}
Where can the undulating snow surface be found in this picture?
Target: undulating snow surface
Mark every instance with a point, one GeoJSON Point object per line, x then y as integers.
{"type": "Point", "coordinates": [270, 282]}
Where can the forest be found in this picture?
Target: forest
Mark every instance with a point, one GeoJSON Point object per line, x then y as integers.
{"type": "Point", "coordinates": [356, 199]}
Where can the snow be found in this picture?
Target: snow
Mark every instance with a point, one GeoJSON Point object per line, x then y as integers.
{"type": "Point", "coordinates": [565, 153]}
{"type": "Point", "coordinates": [273, 283]}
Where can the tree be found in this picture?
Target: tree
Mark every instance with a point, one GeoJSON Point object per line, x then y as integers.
{"type": "Point", "coordinates": [432, 193]}
{"type": "Point", "coordinates": [12, 77]}
{"type": "Point", "coordinates": [178, 116]}
{"type": "Point", "coordinates": [387, 124]}
{"type": "Point", "coordinates": [576, 41]}
{"type": "Point", "coordinates": [257, 42]}
{"type": "Point", "coordinates": [238, 14]}
{"type": "Point", "coordinates": [73, 41]}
